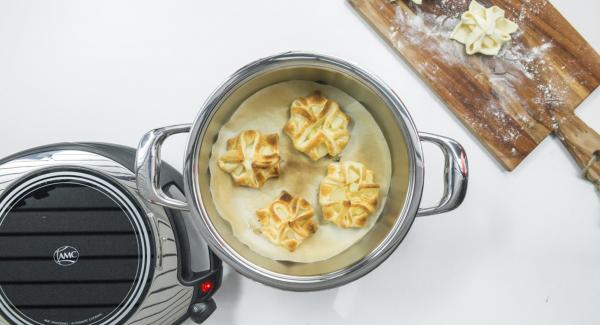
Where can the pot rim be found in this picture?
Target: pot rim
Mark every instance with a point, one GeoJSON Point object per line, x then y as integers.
{"type": "Point", "coordinates": [315, 282]}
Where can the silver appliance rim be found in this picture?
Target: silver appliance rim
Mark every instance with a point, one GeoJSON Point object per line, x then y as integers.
{"type": "Point", "coordinates": [166, 297]}
{"type": "Point", "coordinates": [342, 276]}
{"type": "Point", "coordinates": [85, 177]}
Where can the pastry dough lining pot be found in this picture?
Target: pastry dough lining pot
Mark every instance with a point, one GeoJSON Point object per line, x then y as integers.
{"type": "Point", "coordinates": [406, 186]}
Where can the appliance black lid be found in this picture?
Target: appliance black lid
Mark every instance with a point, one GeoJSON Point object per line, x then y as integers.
{"type": "Point", "coordinates": [74, 249]}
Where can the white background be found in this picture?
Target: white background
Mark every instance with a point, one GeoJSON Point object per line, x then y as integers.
{"type": "Point", "coordinates": [524, 248]}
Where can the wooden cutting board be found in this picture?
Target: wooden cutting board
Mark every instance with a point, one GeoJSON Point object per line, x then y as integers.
{"type": "Point", "coordinates": [511, 102]}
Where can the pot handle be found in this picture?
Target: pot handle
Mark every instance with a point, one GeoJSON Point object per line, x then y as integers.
{"type": "Point", "coordinates": [456, 174]}
{"type": "Point", "coordinates": [147, 166]}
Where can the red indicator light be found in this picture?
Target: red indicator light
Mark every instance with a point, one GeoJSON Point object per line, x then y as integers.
{"type": "Point", "coordinates": [206, 286]}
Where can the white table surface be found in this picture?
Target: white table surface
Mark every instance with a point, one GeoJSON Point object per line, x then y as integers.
{"type": "Point", "coordinates": [524, 248]}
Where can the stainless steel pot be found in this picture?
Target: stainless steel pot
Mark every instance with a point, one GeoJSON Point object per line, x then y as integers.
{"type": "Point", "coordinates": [401, 207]}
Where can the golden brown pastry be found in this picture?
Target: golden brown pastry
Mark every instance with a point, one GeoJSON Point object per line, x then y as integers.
{"type": "Point", "coordinates": [348, 194]}
{"type": "Point", "coordinates": [287, 221]}
{"type": "Point", "coordinates": [251, 158]}
{"type": "Point", "coordinates": [317, 126]}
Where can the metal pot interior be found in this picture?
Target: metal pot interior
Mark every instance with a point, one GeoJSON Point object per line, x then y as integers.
{"type": "Point", "coordinates": [394, 221]}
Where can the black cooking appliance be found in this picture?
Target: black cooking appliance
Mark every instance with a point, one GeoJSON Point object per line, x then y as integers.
{"type": "Point", "coordinates": [79, 246]}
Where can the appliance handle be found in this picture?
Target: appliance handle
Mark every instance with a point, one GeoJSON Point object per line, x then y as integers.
{"type": "Point", "coordinates": [456, 174]}
{"type": "Point", "coordinates": [147, 166]}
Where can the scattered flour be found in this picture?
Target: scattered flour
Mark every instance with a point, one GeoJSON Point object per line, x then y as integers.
{"type": "Point", "coordinates": [517, 64]}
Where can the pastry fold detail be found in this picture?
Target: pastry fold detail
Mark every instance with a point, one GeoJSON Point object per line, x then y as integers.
{"type": "Point", "coordinates": [251, 158]}
{"type": "Point", "coordinates": [348, 195]}
{"type": "Point", "coordinates": [483, 30]}
{"type": "Point", "coordinates": [317, 126]}
{"type": "Point", "coordinates": [287, 221]}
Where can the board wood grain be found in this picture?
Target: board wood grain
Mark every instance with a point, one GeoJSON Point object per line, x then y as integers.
{"type": "Point", "coordinates": [511, 102]}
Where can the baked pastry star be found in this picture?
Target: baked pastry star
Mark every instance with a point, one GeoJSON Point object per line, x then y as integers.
{"type": "Point", "coordinates": [287, 221]}
{"type": "Point", "coordinates": [251, 158]}
{"type": "Point", "coordinates": [348, 194]}
{"type": "Point", "coordinates": [317, 126]}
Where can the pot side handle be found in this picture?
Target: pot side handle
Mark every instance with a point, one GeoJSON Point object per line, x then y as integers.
{"type": "Point", "coordinates": [456, 174]}
{"type": "Point", "coordinates": [147, 166]}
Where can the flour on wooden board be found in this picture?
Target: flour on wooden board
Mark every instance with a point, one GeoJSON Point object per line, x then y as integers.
{"type": "Point", "coordinates": [515, 63]}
